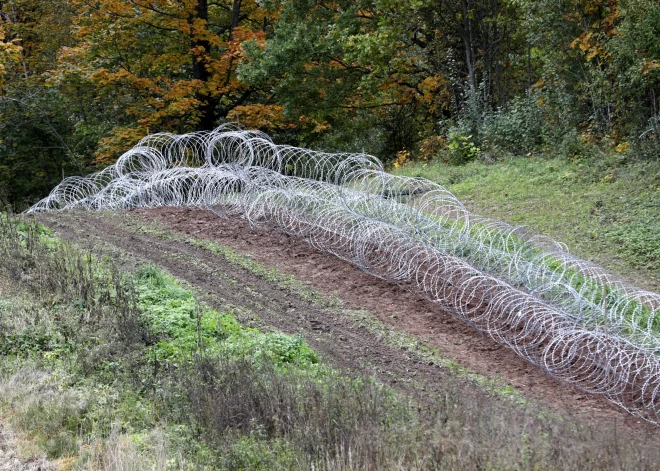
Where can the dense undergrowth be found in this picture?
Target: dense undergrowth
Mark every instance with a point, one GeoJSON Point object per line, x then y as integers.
{"type": "Point", "coordinates": [101, 369]}
{"type": "Point", "coordinates": [604, 209]}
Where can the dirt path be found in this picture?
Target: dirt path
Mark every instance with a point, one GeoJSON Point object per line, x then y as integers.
{"type": "Point", "coordinates": [339, 340]}
{"type": "Point", "coordinates": [224, 284]}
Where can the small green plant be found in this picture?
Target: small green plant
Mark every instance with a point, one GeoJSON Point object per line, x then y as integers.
{"type": "Point", "coordinates": [184, 327]}
{"type": "Point", "coordinates": [519, 128]}
{"type": "Point", "coordinates": [462, 149]}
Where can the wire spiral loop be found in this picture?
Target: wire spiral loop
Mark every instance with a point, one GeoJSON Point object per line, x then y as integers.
{"type": "Point", "coordinates": [571, 318]}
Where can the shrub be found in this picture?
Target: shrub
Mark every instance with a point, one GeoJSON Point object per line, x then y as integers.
{"type": "Point", "coordinates": [461, 149]}
{"type": "Point", "coordinates": [518, 128]}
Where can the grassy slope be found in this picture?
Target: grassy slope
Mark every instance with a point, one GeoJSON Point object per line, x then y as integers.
{"type": "Point", "coordinates": [606, 214]}
{"type": "Point", "coordinates": [100, 370]}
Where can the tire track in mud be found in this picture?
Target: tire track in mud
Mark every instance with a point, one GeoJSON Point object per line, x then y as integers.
{"type": "Point", "coordinates": [339, 340]}
{"type": "Point", "coordinates": [224, 284]}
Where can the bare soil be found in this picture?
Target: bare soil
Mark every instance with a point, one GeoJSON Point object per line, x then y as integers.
{"type": "Point", "coordinates": [339, 340]}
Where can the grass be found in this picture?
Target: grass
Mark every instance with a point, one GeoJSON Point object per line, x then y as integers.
{"type": "Point", "coordinates": [186, 327]}
{"type": "Point", "coordinates": [605, 211]}
{"type": "Point", "coordinates": [73, 384]}
{"type": "Point", "coordinates": [361, 318]}
{"type": "Point", "coordinates": [152, 379]}
{"type": "Point", "coordinates": [635, 318]}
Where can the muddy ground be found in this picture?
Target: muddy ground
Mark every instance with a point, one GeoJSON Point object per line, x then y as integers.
{"type": "Point", "coordinates": [343, 343]}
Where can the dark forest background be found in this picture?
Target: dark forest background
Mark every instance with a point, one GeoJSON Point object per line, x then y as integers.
{"type": "Point", "coordinates": [82, 80]}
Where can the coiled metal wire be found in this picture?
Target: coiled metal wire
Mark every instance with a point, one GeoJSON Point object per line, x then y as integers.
{"type": "Point", "coordinates": [569, 317]}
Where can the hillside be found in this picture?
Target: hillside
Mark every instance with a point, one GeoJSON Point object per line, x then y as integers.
{"type": "Point", "coordinates": [606, 213]}
{"type": "Point", "coordinates": [329, 235]}
{"type": "Point", "coordinates": [290, 286]}
{"type": "Point", "coordinates": [91, 380]}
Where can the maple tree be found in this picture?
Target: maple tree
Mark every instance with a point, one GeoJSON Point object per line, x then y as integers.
{"type": "Point", "coordinates": [169, 65]}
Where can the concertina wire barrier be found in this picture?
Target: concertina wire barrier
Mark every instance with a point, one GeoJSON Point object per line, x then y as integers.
{"type": "Point", "coordinates": [569, 317]}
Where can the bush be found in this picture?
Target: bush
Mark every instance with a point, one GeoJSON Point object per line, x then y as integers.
{"type": "Point", "coordinates": [517, 129]}
{"type": "Point", "coordinates": [461, 149]}
{"type": "Point", "coordinates": [541, 118]}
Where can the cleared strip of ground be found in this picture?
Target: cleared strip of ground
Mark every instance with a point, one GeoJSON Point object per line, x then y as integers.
{"type": "Point", "coordinates": [337, 333]}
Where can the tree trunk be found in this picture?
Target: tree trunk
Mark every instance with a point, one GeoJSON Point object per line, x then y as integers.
{"type": "Point", "coordinates": [469, 53]}
{"type": "Point", "coordinates": [235, 17]}
{"type": "Point", "coordinates": [200, 72]}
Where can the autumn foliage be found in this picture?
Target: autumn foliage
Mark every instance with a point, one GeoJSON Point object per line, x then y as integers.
{"type": "Point", "coordinates": [83, 80]}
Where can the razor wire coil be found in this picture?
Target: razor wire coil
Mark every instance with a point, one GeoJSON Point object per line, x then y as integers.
{"type": "Point", "coordinates": [569, 317]}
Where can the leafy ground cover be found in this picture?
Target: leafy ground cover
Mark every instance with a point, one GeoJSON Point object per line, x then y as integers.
{"type": "Point", "coordinates": [605, 211]}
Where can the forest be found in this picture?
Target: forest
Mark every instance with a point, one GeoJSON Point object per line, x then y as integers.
{"type": "Point", "coordinates": [81, 81]}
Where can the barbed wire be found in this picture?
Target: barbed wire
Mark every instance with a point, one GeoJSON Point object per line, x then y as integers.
{"type": "Point", "coordinates": [571, 318]}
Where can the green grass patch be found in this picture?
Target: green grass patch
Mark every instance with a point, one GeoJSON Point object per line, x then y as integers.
{"type": "Point", "coordinates": [605, 213]}
{"type": "Point", "coordinates": [184, 326]}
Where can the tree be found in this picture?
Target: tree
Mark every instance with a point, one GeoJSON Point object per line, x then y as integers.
{"type": "Point", "coordinates": [36, 121]}
{"type": "Point", "coordinates": [602, 54]}
{"type": "Point", "coordinates": [168, 65]}
{"type": "Point", "coordinates": [401, 67]}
